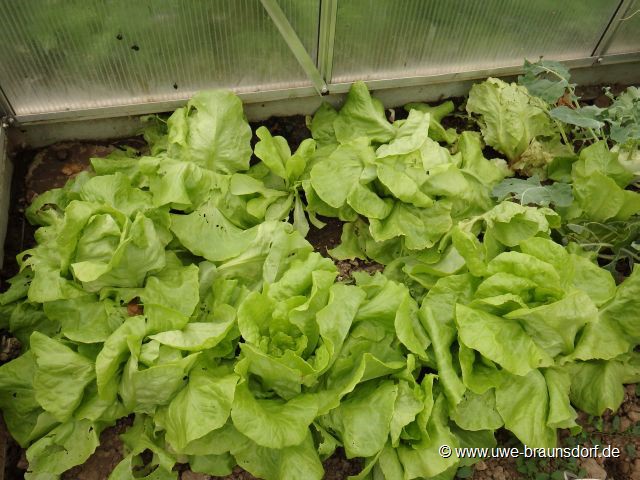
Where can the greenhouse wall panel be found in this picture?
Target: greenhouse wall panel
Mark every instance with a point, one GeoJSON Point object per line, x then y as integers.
{"type": "Point", "coordinates": [83, 54]}
{"type": "Point", "coordinates": [404, 38]}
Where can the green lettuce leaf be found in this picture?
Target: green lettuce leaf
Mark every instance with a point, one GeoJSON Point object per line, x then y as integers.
{"type": "Point", "coordinates": [211, 131]}
{"type": "Point", "coordinates": [344, 177]}
{"type": "Point", "coordinates": [203, 406]}
{"type": "Point", "coordinates": [363, 418]}
{"type": "Point", "coordinates": [362, 116]}
{"type": "Point", "coordinates": [273, 423]}
{"type": "Point", "coordinates": [25, 418]}
{"type": "Point", "coordinates": [500, 340]}
{"type": "Point", "coordinates": [61, 376]}
{"type": "Point", "coordinates": [523, 404]}
{"type": "Point", "coordinates": [436, 131]}
{"type": "Point", "coordinates": [599, 180]}
{"type": "Point", "coordinates": [66, 446]}
{"type": "Point", "coordinates": [597, 386]}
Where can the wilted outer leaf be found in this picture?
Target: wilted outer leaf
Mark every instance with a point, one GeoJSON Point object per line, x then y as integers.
{"type": "Point", "coordinates": [508, 116]}
{"type": "Point", "coordinates": [66, 446]}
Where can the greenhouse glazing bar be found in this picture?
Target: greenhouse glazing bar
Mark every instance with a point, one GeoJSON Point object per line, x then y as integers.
{"type": "Point", "coordinates": [613, 26]}
{"type": "Point", "coordinates": [326, 37]}
{"type": "Point", "coordinates": [5, 107]}
{"type": "Point", "coordinates": [294, 43]}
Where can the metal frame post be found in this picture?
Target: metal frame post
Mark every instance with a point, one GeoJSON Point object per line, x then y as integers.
{"type": "Point", "coordinates": [326, 37]}
{"type": "Point", "coordinates": [295, 45]}
{"type": "Point", "coordinates": [611, 28]}
{"type": "Point", "coordinates": [6, 111]}
{"type": "Point", "coordinates": [6, 172]}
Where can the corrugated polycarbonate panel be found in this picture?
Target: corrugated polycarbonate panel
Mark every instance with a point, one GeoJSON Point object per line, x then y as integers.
{"type": "Point", "coordinates": [60, 55]}
{"type": "Point", "coordinates": [627, 36]}
{"type": "Point", "coordinates": [381, 39]}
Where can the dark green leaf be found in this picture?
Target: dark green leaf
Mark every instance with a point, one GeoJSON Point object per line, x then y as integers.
{"type": "Point", "coordinates": [557, 475]}
{"type": "Point", "coordinates": [531, 191]}
{"type": "Point", "coordinates": [630, 448]}
{"type": "Point", "coordinates": [545, 79]}
{"type": "Point", "coordinates": [586, 117]}
{"type": "Point", "coordinates": [464, 472]}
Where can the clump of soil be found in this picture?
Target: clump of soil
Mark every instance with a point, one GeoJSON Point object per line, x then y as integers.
{"type": "Point", "coordinates": [325, 238]}
{"type": "Point", "coordinates": [339, 467]}
{"type": "Point", "coordinates": [347, 267]}
{"type": "Point", "coordinates": [496, 469]}
{"type": "Point", "coordinates": [620, 429]}
{"type": "Point", "coordinates": [10, 347]}
{"type": "Point", "coordinates": [328, 237]}
{"type": "Point", "coordinates": [237, 474]}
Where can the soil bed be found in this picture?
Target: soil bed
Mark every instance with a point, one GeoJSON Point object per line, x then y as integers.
{"type": "Point", "coordinates": [50, 167]}
{"type": "Point", "coordinates": [36, 171]}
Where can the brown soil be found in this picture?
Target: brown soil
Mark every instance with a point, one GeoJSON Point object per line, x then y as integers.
{"type": "Point", "coordinates": [10, 347]}
{"type": "Point", "coordinates": [347, 267]}
{"type": "Point", "coordinates": [338, 467]}
{"type": "Point", "coordinates": [496, 469]}
{"type": "Point", "coordinates": [459, 119]}
{"type": "Point", "coordinates": [108, 454]}
{"type": "Point", "coordinates": [52, 166]}
{"type": "Point", "coordinates": [19, 232]}
{"type": "Point", "coordinates": [620, 429]}
{"type": "Point", "coordinates": [237, 474]}
{"type": "Point", "coordinates": [326, 238]}
{"type": "Point", "coordinates": [595, 94]}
